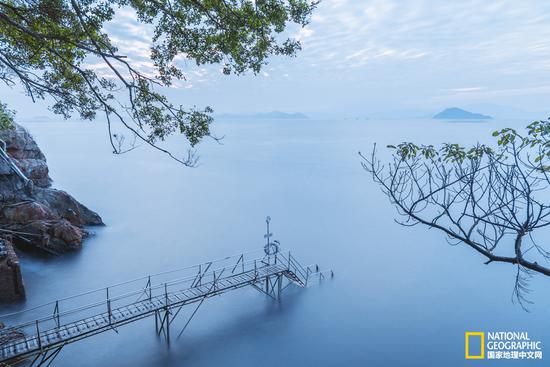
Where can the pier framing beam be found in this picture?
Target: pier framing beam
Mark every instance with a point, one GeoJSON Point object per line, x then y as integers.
{"type": "Point", "coordinates": [46, 358]}
{"type": "Point", "coordinates": [272, 286]}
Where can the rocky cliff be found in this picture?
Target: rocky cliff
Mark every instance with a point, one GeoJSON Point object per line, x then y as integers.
{"type": "Point", "coordinates": [37, 215]}
{"type": "Point", "coordinates": [34, 214]}
{"type": "Point", "coordinates": [11, 282]}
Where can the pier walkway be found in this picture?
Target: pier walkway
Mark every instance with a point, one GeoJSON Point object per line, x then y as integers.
{"type": "Point", "coordinates": [37, 335]}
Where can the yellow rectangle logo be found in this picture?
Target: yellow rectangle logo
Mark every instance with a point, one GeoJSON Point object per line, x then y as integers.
{"type": "Point", "coordinates": [481, 335]}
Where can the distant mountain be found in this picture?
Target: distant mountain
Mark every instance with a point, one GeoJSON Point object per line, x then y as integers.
{"type": "Point", "coordinates": [460, 114]}
{"type": "Point", "coordinates": [274, 115]}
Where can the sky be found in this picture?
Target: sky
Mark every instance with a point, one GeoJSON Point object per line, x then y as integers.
{"type": "Point", "coordinates": [380, 58]}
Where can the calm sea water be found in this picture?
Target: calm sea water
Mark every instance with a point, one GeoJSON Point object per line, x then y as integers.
{"type": "Point", "coordinates": [400, 297]}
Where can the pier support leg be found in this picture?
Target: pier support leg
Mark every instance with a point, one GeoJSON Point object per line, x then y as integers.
{"type": "Point", "coordinates": [162, 323]}
{"type": "Point", "coordinates": [168, 326]}
{"type": "Point", "coordinates": [46, 358]}
{"type": "Point", "coordinates": [273, 286]}
{"type": "Point", "coordinates": [279, 285]}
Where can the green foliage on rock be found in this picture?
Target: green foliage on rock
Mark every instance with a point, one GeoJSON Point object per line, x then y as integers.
{"type": "Point", "coordinates": [6, 118]}
{"type": "Point", "coordinates": [47, 46]}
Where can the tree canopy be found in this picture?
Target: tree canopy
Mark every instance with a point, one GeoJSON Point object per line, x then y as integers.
{"type": "Point", "coordinates": [46, 45]}
{"type": "Point", "coordinates": [493, 199]}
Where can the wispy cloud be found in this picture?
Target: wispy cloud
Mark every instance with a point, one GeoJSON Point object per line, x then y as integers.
{"type": "Point", "coordinates": [412, 53]}
{"type": "Point", "coordinates": [379, 54]}
{"type": "Point", "coordinates": [464, 90]}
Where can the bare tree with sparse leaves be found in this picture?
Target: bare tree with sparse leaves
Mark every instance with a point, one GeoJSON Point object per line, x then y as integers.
{"type": "Point", "coordinates": [491, 199]}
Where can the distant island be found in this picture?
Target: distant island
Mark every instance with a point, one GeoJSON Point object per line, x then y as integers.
{"type": "Point", "coordinates": [455, 113]}
{"type": "Point", "coordinates": [274, 115]}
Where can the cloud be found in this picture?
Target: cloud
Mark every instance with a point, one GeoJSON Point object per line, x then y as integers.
{"type": "Point", "coordinates": [464, 90]}
{"type": "Point", "coordinates": [479, 32]}
{"type": "Point", "coordinates": [304, 33]}
{"type": "Point", "coordinates": [384, 52]}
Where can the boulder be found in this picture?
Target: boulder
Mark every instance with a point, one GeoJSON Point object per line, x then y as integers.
{"type": "Point", "coordinates": [36, 170]}
{"type": "Point", "coordinates": [11, 282]}
{"type": "Point", "coordinates": [63, 205]}
{"type": "Point", "coordinates": [54, 236]}
{"type": "Point", "coordinates": [24, 212]}
{"type": "Point", "coordinates": [20, 144]}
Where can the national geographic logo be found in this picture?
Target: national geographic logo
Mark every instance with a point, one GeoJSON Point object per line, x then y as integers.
{"type": "Point", "coordinates": [501, 345]}
{"type": "Point", "coordinates": [478, 338]}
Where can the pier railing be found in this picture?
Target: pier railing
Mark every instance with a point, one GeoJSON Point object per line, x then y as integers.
{"type": "Point", "coordinates": [41, 319]}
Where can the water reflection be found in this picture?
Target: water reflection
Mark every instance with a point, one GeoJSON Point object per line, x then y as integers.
{"type": "Point", "coordinates": [401, 296]}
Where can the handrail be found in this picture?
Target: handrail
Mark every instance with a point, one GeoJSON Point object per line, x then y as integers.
{"type": "Point", "coordinates": [122, 296]}
{"type": "Point", "coordinates": [45, 323]}
{"type": "Point", "coordinates": [112, 286]}
{"type": "Point", "coordinates": [217, 275]}
{"type": "Point", "coordinates": [298, 267]}
{"type": "Point", "coordinates": [9, 161]}
{"type": "Point", "coordinates": [160, 292]}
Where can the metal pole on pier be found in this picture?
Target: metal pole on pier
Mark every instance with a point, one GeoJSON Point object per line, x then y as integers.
{"type": "Point", "coordinates": [38, 336]}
